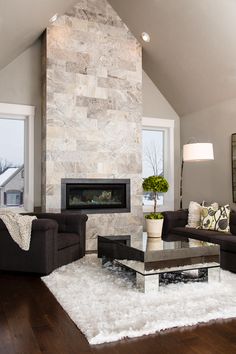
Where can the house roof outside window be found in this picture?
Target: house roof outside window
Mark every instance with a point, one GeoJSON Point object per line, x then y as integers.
{"type": "Point", "coordinates": [8, 174]}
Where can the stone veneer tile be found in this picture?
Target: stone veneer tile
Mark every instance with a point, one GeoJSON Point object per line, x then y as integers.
{"type": "Point", "coordinates": [61, 144]}
{"type": "Point", "coordinates": [93, 110]}
{"type": "Point", "coordinates": [80, 66]}
{"type": "Point", "coordinates": [50, 189]}
{"type": "Point", "coordinates": [75, 23]}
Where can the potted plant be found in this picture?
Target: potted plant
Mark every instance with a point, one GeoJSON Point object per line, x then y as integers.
{"type": "Point", "coordinates": [154, 221]}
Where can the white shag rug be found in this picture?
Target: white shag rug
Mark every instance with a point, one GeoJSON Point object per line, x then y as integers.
{"type": "Point", "coordinates": [106, 306]}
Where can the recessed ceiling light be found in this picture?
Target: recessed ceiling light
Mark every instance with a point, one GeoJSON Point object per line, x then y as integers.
{"type": "Point", "coordinates": [53, 18]}
{"type": "Point", "coordinates": [145, 37]}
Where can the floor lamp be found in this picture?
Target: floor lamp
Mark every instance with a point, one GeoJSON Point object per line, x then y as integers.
{"type": "Point", "coordinates": [194, 152]}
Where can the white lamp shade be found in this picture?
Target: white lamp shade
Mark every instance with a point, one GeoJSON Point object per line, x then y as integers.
{"type": "Point", "coordinates": [198, 152]}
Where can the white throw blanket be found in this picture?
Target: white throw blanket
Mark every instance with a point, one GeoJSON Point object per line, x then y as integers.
{"type": "Point", "coordinates": [19, 227]}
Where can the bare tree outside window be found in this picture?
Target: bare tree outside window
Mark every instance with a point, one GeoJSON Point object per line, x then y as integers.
{"type": "Point", "coordinates": [153, 160]}
{"type": "Point", "coordinates": [4, 164]}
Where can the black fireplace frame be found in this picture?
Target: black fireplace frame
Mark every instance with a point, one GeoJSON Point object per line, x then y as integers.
{"type": "Point", "coordinates": [72, 181]}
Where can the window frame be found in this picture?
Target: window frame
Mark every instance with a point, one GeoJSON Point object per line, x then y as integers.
{"type": "Point", "coordinates": [26, 113]}
{"type": "Point", "coordinates": [166, 125]}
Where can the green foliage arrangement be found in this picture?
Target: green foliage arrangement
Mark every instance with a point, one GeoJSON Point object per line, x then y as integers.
{"type": "Point", "coordinates": [155, 184]}
{"type": "Point", "coordinates": [154, 216]}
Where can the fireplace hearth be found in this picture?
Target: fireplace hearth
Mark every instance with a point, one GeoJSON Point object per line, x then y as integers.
{"type": "Point", "coordinates": [95, 195]}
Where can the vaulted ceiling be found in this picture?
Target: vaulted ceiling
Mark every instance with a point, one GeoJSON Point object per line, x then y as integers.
{"type": "Point", "coordinates": [22, 22]}
{"type": "Point", "coordinates": [191, 57]}
{"type": "Point", "coordinates": [192, 54]}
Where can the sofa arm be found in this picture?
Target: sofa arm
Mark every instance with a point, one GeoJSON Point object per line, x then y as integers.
{"type": "Point", "coordinates": [44, 225]}
{"type": "Point", "coordinates": [37, 225]}
{"type": "Point", "coordinates": [42, 255]}
{"type": "Point", "coordinates": [44, 245]}
{"type": "Point", "coordinates": [173, 219]}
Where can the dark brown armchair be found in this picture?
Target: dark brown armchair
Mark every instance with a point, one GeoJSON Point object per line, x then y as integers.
{"type": "Point", "coordinates": [56, 239]}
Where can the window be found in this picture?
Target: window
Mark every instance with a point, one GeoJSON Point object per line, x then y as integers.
{"type": "Point", "coordinates": [153, 159]}
{"type": "Point", "coordinates": [158, 159]}
{"type": "Point", "coordinates": [16, 157]}
{"type": "Point", "coordinates": [13, 198]}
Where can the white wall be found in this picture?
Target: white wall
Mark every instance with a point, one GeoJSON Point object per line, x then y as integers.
{"type": "Point", "coordinates": [20, 82]}
{"type": "Point", "coordinates": [155, 105]}
{"type": "Point", "coordinates": [210, 180]}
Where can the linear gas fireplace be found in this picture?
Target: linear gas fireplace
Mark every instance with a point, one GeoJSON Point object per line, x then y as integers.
{"type": "Point", "coordinates": [95, 195]}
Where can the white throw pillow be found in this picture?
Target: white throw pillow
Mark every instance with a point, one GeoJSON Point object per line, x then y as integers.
{"type": "Point", "coordinates": [194, 214]}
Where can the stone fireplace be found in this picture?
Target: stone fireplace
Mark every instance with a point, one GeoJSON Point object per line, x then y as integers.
{"type": "Point", "coordinates": [92, 114]}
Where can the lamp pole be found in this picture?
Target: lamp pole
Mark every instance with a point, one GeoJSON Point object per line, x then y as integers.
{"type": "Point", "coordinates": [181, 185]}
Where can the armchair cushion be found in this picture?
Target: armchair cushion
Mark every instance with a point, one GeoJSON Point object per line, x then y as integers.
{"type": "Point", "coordinates": [66, 240]}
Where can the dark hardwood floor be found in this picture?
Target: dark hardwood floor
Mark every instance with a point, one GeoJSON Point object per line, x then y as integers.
{"type": "Point", "coordinates": [32, 322]}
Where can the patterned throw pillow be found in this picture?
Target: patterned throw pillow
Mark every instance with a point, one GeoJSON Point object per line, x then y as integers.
{"type": "Point", "coordinates": [215, 218]}
{"type": "Point", "coordinates": [215, 205]}
{"type": "Point", "coordinates": [194, 213]}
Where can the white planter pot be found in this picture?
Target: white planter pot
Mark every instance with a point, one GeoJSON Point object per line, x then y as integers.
{"type": "Point", "coordinates": [154, 227]}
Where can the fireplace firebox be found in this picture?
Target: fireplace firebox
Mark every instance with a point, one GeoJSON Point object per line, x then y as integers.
{"type": "Point", "coordinates": [95, 195]}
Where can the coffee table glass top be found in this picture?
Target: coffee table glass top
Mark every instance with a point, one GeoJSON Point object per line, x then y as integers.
{"type": "Point", "coordinates": [153, 244]}
{"type": "Point", "coordinates": [154, 256]}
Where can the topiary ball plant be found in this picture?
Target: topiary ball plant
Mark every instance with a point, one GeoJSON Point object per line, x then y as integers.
{"type": "Point", "coordinates": [155, 184]}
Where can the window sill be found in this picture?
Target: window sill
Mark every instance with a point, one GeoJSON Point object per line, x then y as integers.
{"type": "Point", "coordinates": [17, 210]}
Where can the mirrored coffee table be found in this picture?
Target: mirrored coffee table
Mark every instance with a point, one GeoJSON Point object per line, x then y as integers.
{"type": "Point", "coordinates": [157, 262]}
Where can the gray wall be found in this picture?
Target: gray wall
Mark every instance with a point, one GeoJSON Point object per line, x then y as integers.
{"type": "Point", "coordinates": [211, 180]}
{"type": "Point", "coordinates": [20, 84]}
{"type": "Point", "coordinates": [155, 105]}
